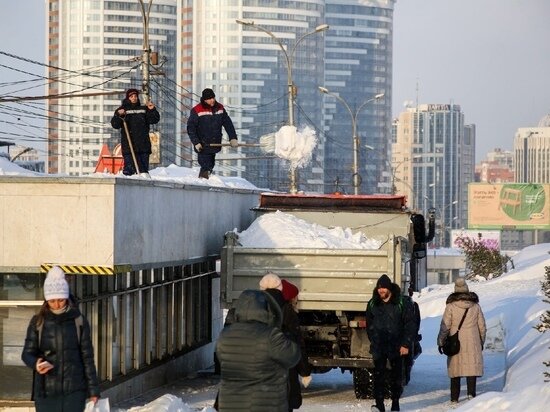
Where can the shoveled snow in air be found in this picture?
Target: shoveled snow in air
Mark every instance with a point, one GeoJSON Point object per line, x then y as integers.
{"type": "Point", "coordinates": [295, 145]}
{"type": "Point", "coordinates": [283, 230]}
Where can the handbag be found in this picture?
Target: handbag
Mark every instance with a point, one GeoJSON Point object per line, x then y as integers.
{"type": "Point", "coordinates": [451, 346]}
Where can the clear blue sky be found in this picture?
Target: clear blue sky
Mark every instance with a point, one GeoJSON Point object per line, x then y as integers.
{"type": "Point", "coordinates": [490, 56]}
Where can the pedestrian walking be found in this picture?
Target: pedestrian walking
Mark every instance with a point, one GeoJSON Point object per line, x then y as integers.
{"type": "Point", "coordinates": [291, 326]}
{"type": "Point", "coordinates": [391, 329]}
{"type": "Point", "coordinates": [255, 356]}
{"type": "Point", "coordinates": [204, 128]}
{"type": "Point", "coordinates": [58, 348]}
{"type": "Point", "coordinates": [134, 120]}
{"type": "Point", "coordinates": [468, 362]}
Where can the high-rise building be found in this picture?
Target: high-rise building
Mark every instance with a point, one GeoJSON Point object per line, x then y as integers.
{"type": "Point", "coordinates": [531, 153]}
{"type": "Point", "coordinates": [358, 66]}
{"type": "Point", "coordinates": [247, 68]}
{"type": "Point", "coordinates": [97, 46]}
{"type": "Point", "coordinates": [433, 162]}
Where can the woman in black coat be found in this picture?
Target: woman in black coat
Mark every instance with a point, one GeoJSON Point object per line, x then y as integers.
{"type": "Point", "coordinates": [58, 349]}
{"type": "Point", "coordinates": [255, 357]}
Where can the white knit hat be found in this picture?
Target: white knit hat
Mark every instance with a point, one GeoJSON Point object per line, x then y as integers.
{"type": "Point", "coordinates": [55, 285]}
{"type": "Point", "coordinates": [271, 281]}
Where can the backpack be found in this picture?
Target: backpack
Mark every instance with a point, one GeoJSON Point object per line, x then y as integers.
{"type": "Point", "coordinates": [79, 323]}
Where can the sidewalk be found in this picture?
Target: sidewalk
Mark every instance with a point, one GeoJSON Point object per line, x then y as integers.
{"type": "Point", "coordinates": [197, 392]}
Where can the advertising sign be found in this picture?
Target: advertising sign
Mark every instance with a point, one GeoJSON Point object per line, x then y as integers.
{"type": "Point", "coordinates": [508, 206]}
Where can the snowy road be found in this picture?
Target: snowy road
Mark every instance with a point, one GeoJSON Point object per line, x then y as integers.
{"type": "Point", "coordinates": [333, 391]}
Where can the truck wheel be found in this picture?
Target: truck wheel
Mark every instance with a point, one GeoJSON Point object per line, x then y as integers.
{"type": "Point", "coordinates": [363, 384]}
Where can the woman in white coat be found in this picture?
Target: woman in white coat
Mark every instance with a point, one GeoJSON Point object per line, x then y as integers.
{"type": "Point", "coordinates": [469, 361]}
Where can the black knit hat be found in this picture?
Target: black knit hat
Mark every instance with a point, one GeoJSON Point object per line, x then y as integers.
{"type": "Point", "coordinates": [208, 94]}
{"type": "Point", "coordinates": [383, 282]}
{"type": "Point", "coordinates": [129, 92]}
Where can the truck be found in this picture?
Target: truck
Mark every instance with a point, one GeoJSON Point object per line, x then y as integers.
{"type": "Point", "coordinates": [335, 284]}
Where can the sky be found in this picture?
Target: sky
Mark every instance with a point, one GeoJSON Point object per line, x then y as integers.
{"type": "Point", "coordinates": [489, 56]}
{"type": "Point", "coordinates": [513, 355]}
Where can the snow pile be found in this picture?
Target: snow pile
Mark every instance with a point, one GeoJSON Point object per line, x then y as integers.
{"type": "Point", "coordinates": [166, 403]}
{"type": "Point", "coordinates": [295, 146]}
{"type": "Point", "coordinates": [282, 230]}
{"type": "Point", "coordinates": [186, 175]}
{"type": "Point", "coordinates": [171, 173]}
{"type": "Point", "coordinates": [7, 168]}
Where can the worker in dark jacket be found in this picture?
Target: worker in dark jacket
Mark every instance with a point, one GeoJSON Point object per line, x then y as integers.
{"type": "Point", "coordinates": [391, 329]}
{"type": "Point", "coordinates": [59, 351]}
{"type": "Point", "coordinates": [204, 128]}
{"type": "Point", "coordinates": [255, 356]}
{"type": "Point", "coordinates": [138, 118]}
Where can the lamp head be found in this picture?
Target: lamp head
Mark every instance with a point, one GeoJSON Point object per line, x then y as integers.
{"type": "Point", "coordinates": [321, 27]}
{"type": "Point", "coordinates": [323, 89]}
{"type": "Point", "coordinates": [379, 96]}
{"type": "Point", "coordinates": [245, 22]}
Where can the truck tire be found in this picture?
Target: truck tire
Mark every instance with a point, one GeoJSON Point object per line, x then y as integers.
{"type": "Point", "coordinates": [363, 384]}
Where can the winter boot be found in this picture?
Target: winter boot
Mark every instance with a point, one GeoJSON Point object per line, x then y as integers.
{"type": "Point", "coordinates": [378, 406]}
{"type": "Point", "coordinates": [395, 405]}
{"type": "Point", "coordinates": [203, 174]}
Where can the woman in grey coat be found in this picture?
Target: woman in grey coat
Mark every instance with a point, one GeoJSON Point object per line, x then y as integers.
{"type": "Point", "coordinates": [469, 361]}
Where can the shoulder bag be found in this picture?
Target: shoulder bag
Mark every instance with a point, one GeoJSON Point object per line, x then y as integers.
{"type": "Point", "coordinates": [451, 346]}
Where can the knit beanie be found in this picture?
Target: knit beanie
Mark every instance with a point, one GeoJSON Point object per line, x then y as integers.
{"type": "Point", "coordinates": [271, 281]}
{"type": "Point", "coordinates": [383, 282]}
{"type": "Point", "coordinates": [461, 286]}
{"type": "Point", "coordinates": [208, 94]}
{"type": "Point", "coordinates": [55, 285]}
{"type": "Point", "coordinates": [131, 91]}
{"type": "Point", "coordinates": [290, 290]}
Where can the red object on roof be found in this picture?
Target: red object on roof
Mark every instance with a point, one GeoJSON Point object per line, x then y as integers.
{"type": "Point", "coordinates": [331, 201]}
{"type": "Point", "coordinates": [109, 162]}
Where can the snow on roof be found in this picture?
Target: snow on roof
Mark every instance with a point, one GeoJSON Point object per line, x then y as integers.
{"type": "Point", "coordinates": [283, 230]}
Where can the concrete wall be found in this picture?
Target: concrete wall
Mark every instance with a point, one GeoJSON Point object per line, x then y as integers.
{"type": "Point", "coordinates": [114, 221]}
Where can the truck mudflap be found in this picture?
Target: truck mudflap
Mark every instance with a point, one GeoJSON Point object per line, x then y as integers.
{"type": "Point", "coordinates": [345, 363]}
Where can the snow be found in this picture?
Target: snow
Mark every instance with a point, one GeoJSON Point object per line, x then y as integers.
{"type": "Point", "coordinates": [513, 356]}
{"type": "Point", "coordinates": [282, 230]}
{"type": "Point", "coordinates": [295, 146]}
{"type": "Point", "coordinates": [172, 173]}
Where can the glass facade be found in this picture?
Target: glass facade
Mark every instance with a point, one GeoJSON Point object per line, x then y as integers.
{"type": "Point", "coordinates": [358, 66]}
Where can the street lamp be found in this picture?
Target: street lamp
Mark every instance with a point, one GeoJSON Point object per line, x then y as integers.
{"type": "Point", "coordinates": [290, 84]}
{"type": "Point", "coordinates": [146, 49]}
{"type": "Point", "coordinates": [356, 177]}
{"type": "Point", "coordinates": [444, 227]}
{"type": "Point", "coordinates": [393, 169]}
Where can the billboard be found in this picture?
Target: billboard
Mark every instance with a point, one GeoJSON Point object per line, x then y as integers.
{"type": "Point", "coordinates": [511, 206]}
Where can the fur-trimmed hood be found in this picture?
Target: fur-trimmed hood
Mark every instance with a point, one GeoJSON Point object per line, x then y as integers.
{"type": "Point", "coordinates": [466, 296]}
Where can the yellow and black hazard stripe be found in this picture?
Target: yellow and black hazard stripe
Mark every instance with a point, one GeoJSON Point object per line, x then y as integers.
{"type": "Point", "coordinates": [86, 269]}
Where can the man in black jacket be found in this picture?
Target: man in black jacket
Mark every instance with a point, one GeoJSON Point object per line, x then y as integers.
{"type": "Point", "coordinates": [204, 128]}
{"type": "Point", "coordinates": [138, 118]}
{"type": "Point", "coordinates": [391, 329]}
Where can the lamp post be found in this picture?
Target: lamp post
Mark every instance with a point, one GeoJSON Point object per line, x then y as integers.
{"type": "Point", "coordinates": [289, 59]}
{"type": "Point", "coordinates": [444, 227]}
{"type": "Point", "coordinates": [356, 177]}
{"type": "Point", "coordinates": [146, 58]}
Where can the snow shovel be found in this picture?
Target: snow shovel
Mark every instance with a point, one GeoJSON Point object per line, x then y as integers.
{"type": "Point", "coordinates": [131, 146]}
{"type": "Point", "coordinates": [239, 145]}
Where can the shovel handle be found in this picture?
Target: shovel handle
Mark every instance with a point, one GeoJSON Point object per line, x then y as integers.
{"type": "Point", "coordinates": [239, 145]}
